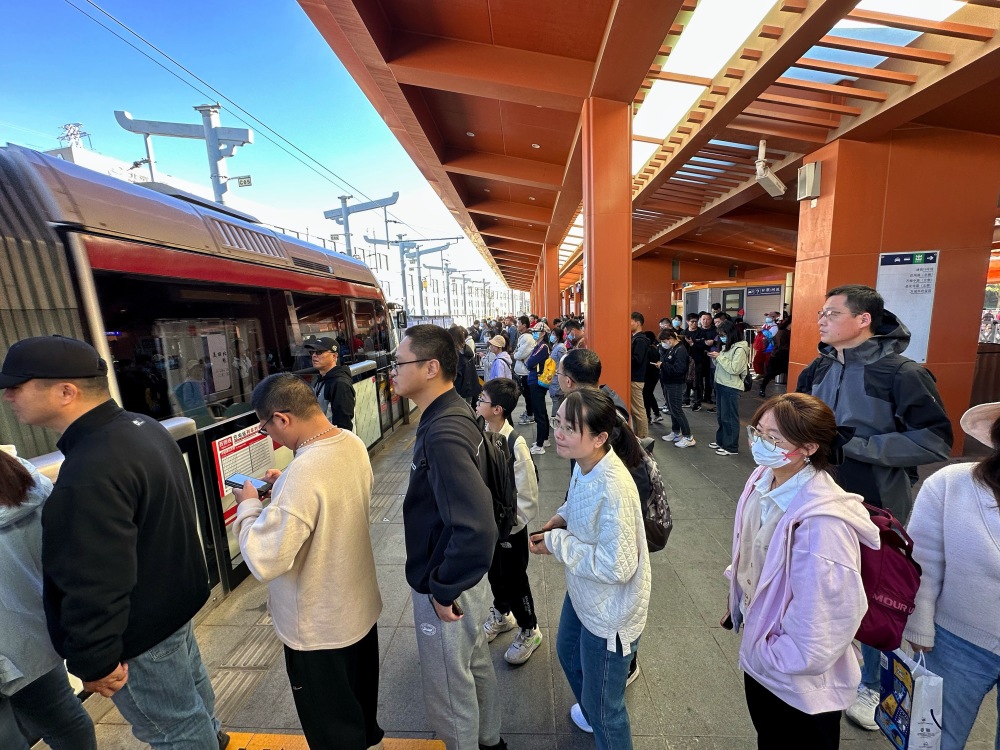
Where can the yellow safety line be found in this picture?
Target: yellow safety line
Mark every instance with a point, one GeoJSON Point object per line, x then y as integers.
{"type": "Point", "coordinates": [259, 741]}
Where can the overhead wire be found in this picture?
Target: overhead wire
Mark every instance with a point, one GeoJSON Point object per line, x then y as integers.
{"type": "Point", "coordinates": [332, 177]}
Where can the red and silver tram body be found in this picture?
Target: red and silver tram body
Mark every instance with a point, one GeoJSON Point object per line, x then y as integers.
{"type": "Point", "coordinates": [181, 295]}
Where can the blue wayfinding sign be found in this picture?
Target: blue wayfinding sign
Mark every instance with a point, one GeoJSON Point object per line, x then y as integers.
{"type": "Point", "coordinates": [763, 291]}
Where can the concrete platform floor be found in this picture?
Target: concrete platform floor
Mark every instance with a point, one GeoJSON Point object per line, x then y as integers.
{"type": "Point", "coordinates": [690, 692]}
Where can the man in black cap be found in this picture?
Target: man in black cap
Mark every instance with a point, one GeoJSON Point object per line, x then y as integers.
{"type": "Point", "coordinates": [334, 387]}
{"type": "Point", "coordinates": [123, 568]}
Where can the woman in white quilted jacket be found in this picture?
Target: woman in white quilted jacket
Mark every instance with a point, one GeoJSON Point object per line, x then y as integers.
{"type": "Point", "coordinates": [598, 534]}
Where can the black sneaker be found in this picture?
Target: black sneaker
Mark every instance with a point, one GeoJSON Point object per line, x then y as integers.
{"type": "Point", "coordinates": [223, 739]}
{"type": "Point", "coordinates": [696, 407]}
{"type": "Point", "coordinates": [633, 672]}
{"type": "Point", "coordinates": [501, 745]}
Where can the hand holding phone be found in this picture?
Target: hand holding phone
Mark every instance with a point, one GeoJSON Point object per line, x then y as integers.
{"type": "Point", "coordinates": [238, 481]}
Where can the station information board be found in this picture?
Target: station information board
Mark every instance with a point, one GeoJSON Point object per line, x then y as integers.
{"type": "Point", "coordinates": [245, 451]}
{"type": "Point", "coordinates": [907, 282]}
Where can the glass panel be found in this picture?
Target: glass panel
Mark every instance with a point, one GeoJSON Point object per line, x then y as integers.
{"type": "Point", "coordinates": [321, 316]}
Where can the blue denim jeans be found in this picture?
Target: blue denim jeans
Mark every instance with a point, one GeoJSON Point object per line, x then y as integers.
{"type": "Point", "coordinates": [969, 673]}
{"type": "Point", "coordinates": [46, 708]}
{"type": "Point", "coordinates": [727, 402]}
{"type": "Point", "coordinates": [168, 698]}
{"type": "Point", "coordinates": [597, 679]}
{"type": "Point", "coordinates": [871, 669]}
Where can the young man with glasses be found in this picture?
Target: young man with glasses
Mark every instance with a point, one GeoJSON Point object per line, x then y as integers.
{"type": "Point", "coordinates": [895, 409]}
{"type": "Point", "coordinates": [450, 536]}
{"type": "Point", "coordinates": [311, 545]}
{"type": "Point", "coordinates": [508, 573]}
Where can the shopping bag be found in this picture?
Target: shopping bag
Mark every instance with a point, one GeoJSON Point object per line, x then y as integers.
{"type": "Point", "coordinates": [909, 709]}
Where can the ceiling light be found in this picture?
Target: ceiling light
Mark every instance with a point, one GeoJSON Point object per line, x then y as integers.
{"type": "Point", "coordinates": [486, 190]}
{"type": "Point", "coordinates": [535, 145]}
{"type": "Point", "coordinates": [531, 197]}
{"type": "Point", "coordinates": [470, 134]}
{"type": "Point", "coordinates": [716, 30]}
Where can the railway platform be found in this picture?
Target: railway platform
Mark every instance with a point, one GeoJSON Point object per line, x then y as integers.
{"type": "Point", "coordinates": [689, 693]}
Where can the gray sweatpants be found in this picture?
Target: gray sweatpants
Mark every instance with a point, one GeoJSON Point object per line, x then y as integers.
{"type": "Point", "coordinates": [460, 686]}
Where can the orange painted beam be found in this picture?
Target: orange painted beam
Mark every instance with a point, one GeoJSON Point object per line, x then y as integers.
{"type": "Point", "coordinates": [942, 28]}
{"type": "Point", "coordinates": [821, 106]}
{"type": "Point", "coordinates": [514, 247]}
{"type": "Point", "coordinates": [833, 89]}
{"type": "Point", "coordinates": [857, 71]}
{"type": "Point", "coordinates": [526, 172]}
{"type": "Point", "coordinates": [490, 71]}
{"type": "Point", "coordinates": [509, 210]}
{"type": "Point", "coordinates": [894, 51]}
{"type": "Point", "coordinates": [706, 250]}
{"type": "Point", "coordinates": [519, 234]}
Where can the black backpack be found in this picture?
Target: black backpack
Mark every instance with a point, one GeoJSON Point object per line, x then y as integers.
{"type": "Point", "coordinates": [497, 467]}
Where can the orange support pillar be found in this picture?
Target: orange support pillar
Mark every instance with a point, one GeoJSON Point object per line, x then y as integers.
{"type": "Point", "coordinates": [607, 231]}
{"type": "Point", "coordinates": [915, 190]}
{"type": "Point", "coordinates": [550, 280]}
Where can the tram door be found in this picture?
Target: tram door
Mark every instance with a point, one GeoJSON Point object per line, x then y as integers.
{"type": "Point", "coordinates": [211, 365]}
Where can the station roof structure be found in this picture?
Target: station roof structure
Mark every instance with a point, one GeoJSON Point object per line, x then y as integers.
{"type": "Point", "coordinates": [486, 97]}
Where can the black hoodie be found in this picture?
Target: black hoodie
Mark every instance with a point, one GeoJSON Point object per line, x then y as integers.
{"type": "Point", "coordinates": [335, 392]}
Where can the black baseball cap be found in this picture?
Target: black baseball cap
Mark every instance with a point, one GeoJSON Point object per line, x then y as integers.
{"type": "Point", "coordinates": [322, 344]}
{"type": "Point", "coordinates": [52, 357]}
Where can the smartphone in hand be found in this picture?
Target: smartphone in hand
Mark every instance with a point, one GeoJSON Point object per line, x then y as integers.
{"type": "Point", "coordinates": [238, 480]}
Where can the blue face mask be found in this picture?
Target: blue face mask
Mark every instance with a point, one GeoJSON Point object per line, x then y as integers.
{"type": "Point", "coordinates": [722, 339]}
{"type": "Point", "coordinates": [677, 323]}
{"type": "Point", "coordinates": [769, 320]}
{"type": "Point", "coordinates": [552, 339]}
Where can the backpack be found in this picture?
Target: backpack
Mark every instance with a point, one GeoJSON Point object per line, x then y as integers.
{"type": "Point", "coordinates": [891, 578]}
{"type": "Point", "coordinates": [498, 472]}
{"type": "Point", "coordinates": [655, 510]}
{"type": "Point", "coordinates": [548, 373]}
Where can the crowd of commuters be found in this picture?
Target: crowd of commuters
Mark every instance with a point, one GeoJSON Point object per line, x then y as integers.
{"type": "Point", "coordinates": [861, 418]}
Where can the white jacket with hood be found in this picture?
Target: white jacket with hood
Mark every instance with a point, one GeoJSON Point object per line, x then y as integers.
{"type": "Point", "coordinates": [809, 601]}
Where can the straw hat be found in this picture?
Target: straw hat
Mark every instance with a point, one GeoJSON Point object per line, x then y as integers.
{"type": "Point", "coordinates": [978, 422]}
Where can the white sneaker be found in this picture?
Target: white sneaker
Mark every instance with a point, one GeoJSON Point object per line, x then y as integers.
{"type": "Point", "coordinates": [714, 445]}
{"type": "Point", "coordinates": [547, 444]}
{"type": "Point", "coordinates": [671, 436]}
{"type": "Point", "coordinates": [536, 450]}
{"type": "Point", "coordinates": [524, 645]}
{"type": "Point", "coordinates": [665, 409]}
{"type": "Point", "coordinates": [525, 419]}
{"type": "Point", "coordinates": [576, 714]}
{"type": "Point", "coordinates": [724, 452]}
{"type": "Point", "coordinates": [862, 712]}
{"type": "Point", "coordinates": [497, 623]}
{"type": "Point", "coordinates": [633, 674]}
{"type": "Point", "coordinates": [685, 442]}
{"type": "Point", "coordinates": [656, 419]}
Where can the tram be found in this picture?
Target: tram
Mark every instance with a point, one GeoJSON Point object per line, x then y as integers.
{"type": "Point", "coordinates": [179, 295]}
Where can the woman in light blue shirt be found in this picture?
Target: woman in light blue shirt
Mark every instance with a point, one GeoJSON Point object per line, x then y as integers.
{"type": "Point", "coordinates": [34, 687]}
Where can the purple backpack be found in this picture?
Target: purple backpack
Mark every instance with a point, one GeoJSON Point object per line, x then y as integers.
{"type": "Point", "coordinates": [891, 578]}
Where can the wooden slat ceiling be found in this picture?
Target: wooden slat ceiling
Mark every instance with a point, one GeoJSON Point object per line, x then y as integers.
{"type": "Point", "coordinates": [486, 97]}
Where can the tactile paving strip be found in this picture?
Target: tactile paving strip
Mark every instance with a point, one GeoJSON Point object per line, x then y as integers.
{"type": "Point", "coordinates": [258, 648]}
{"type": "Point", "coordinates": [257, 741]}
{"type": "Point", "coordinates": [232, 688]}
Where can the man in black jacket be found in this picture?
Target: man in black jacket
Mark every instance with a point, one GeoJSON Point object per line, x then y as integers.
{"type": "Point", "coordinates": [334, 387]}
{"type": "Point", "coordinates": [123, 568]}
{"type": "Point", "coordinates": [450, 536]}
{"type": "Point", "coordinates": [640, 359]}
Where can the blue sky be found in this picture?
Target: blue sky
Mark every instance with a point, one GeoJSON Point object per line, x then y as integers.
{"type": "Point", "coordinates": [57, 66]}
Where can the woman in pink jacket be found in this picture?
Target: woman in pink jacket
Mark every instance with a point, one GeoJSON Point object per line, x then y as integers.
{"type": "Point", "coordinates": [795, 579]}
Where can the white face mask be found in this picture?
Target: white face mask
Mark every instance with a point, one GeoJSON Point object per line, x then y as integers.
{"type": "Point", "coordinates": [771, 457]}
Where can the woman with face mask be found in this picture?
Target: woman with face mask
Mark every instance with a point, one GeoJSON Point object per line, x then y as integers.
{"type": "Point", "coordinates": [795, 585]}
{"type": "Point", "coordinates": [731, 364]}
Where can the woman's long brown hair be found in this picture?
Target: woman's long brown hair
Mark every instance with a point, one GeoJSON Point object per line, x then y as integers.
{"type": "Point", "coordinates": [15, 481]}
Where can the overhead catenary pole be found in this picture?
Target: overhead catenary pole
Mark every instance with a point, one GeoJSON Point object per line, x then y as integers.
{"type": "Point", "coordinates": [220, 143]}
{"type": "Point", "coordinates": [342, 215]}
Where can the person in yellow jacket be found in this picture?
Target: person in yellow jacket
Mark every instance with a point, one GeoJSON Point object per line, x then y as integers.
{"type": "Point", "coordinates": [731, 365]}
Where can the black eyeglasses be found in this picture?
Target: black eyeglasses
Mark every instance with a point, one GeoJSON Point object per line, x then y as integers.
{"type": "Point", "coordinates": [397, 364]}
{"type": "Point", "coordinates": [482, 400]}
{"type": "Point", "coordinates": [262, 430]}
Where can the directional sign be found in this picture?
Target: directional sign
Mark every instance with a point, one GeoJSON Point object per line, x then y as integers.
{"type": "Point", "coordinates": [907, 282]}
{"type": "Point", "coordinates": [244, 181]}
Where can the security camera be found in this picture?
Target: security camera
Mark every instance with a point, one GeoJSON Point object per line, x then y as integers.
{"type": "Point", "coordinates": [765, 177]}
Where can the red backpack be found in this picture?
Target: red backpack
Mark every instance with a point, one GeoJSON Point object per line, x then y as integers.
{"type": "Point", "coordinates": [891, 578]}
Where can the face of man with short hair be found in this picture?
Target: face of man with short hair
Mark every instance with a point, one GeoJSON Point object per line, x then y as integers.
{"type": "Point", "coordinates": [35, 402]}
{"type": "Point", "coordinates": [706, 321]}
